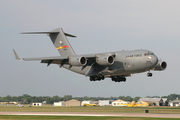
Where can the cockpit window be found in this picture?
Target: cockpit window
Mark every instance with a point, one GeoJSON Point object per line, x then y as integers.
{"type": "Point", "coordinates": [146, 54]}
{"type": "Point", "coordinates": [151, 53]}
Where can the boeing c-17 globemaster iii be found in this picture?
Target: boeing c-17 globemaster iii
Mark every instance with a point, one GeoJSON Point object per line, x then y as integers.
{"type": "Point", "coordinates": [115, 65]}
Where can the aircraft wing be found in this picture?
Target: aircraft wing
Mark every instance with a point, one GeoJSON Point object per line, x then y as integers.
{"type": "Point", "coordinates": [44, 58]}
{"type": "Point", "coordinates": [61, 60]}
{"type": "Point", "coordinates": [49, 60]}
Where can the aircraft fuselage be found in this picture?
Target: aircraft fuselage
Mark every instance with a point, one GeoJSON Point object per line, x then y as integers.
{"type": "Point", "coordinates": [125, 63]}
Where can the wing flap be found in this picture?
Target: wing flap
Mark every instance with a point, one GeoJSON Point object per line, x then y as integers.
{"type": "Point", "coordinates": [52, 61]}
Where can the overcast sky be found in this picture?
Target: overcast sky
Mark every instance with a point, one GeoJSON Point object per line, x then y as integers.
{"type": "Point", "coordinates": [100, 26]}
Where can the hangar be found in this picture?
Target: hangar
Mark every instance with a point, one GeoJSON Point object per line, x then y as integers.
{"type": "Point", "coordinates": [157, 101]}
{"type": "Point", "coordinates": [73, 102]}
{"type": "Point", "coordinates": [175, 103]}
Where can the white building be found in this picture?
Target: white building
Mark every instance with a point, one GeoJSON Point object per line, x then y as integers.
{"type": "Point", "coordinates": [87, 102]}
{"type": "Point", "coordinates": [175, 103]}
{"type": "Point", "coordinates": [36, 104]}
{"type": "Point", "coordinates": [105, 102]}
{"type": "Point", "coordinates": [119, 103]}
{"type": "Point", "coordinates": [60, 103]}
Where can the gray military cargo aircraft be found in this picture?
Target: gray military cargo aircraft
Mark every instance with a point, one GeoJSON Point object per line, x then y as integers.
{"type": "Point", "coordinates": [115, 65]}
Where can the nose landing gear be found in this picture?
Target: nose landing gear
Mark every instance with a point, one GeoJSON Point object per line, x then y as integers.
{"type": "Point", "coordinates": [149, 74]}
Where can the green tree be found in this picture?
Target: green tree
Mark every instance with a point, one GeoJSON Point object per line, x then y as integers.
{"type": "Point", "coordinates": [164, 97]}
{"type": "Point", "coordinates": [67, 97]}
{"type": "Point", "coordinates": [56, 98]}
{"type": "Point", "coordinates": [154, 104]}
{"type": "Point", "coordinates": [173, 96]}
{"type": "Point", "coordinates": [78, 98]}
{"type": "Point", "coordinates": [24, 101]}
{"type": "Point", "coordinates": [49, 100]}
{"type": "Point", "coordinates": [128, 98]}
{"type": "Point", "coordinates": [86, 98]}
{"type": "Point", "coordinates": [8, 98]}
{"type": "Point", "coordinates": [121, 97]}
{"type": "Point", "coordinates": [29, 100]}
{"type": "Point", "coordinates": [93, 98]}
{"type": "Point", "coordinates": [2, 99]}
{"type": "Point", "coordinates": [136, 98]}
{"type": "Point", "coordinates": [20, 98]}
{"type": "Point", "coordinates": [26, 95]}
{"type": "Point", "coordinates": [38, 99]}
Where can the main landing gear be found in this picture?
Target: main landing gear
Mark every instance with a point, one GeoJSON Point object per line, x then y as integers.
{"type": "Point", "coordinates": [113, 78]}
{"type": "Point", "coordinates": [118, 79]}
{"type": "Point", "coordinates": [96, 78]}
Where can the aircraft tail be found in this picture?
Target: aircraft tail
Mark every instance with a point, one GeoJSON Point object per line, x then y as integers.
{"type": "Point", "coordinates": [58, 38]}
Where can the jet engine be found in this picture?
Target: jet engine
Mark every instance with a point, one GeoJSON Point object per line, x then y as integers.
{"type": "Point", "coordinates": [77, 61]}
{"type": "Point", "coordinates": [105, 60]}
{"type": "Point", "coordinates": [160, 66]}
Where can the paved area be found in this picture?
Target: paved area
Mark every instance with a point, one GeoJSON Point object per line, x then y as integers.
{"type": "Point", "coordinates": [94, 114]}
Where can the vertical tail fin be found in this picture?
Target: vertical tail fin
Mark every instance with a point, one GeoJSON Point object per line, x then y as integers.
{"type": "Point", "coordinates": [58, 38]}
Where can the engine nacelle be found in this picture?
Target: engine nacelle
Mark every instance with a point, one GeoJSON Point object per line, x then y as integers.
{"type": "Point", "coordinates": [105, 60]}
{"type": "Point", "coordinates": [161, 66]}
{"type": "Point", "coordinates": [77, 61]}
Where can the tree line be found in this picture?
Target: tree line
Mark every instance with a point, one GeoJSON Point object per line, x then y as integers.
{"type": "Point", "coordinates": [27, 99]}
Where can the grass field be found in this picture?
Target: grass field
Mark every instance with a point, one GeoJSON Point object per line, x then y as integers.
{"type": "Point", "coordinates": [18, 117]}
{"type": "Point", "coordinates": [49, 108]}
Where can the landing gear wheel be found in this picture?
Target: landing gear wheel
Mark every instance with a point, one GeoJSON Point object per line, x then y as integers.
{"type": "Point", "coordinates": [124, 79]}
{"type": "Point", "coordinates": [118, 79]}
{"type": "Point", "coordinates": [149, 74]}
{"type": "Point", "coordinates": [96, 78]}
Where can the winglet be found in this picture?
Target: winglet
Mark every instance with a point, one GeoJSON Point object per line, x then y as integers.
{"type": "Point", "coordinates": [16, 56]}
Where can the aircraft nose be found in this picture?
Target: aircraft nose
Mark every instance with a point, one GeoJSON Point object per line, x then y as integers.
{"type": "Point", "coordinates": [154, 59]}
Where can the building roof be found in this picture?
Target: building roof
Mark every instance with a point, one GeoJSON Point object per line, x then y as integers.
{"type": "Point", "coordinates": [119, 100]}
{"type": "Point", "coordinates": [175, 101]}
{"type": "Point", "coordinates": [152, 99]}
{"type": "Point", "coordinates": [142, 102]}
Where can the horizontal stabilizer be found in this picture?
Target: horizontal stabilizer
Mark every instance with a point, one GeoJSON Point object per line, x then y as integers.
{"type": "Point", "coordinates": [66, 34]}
